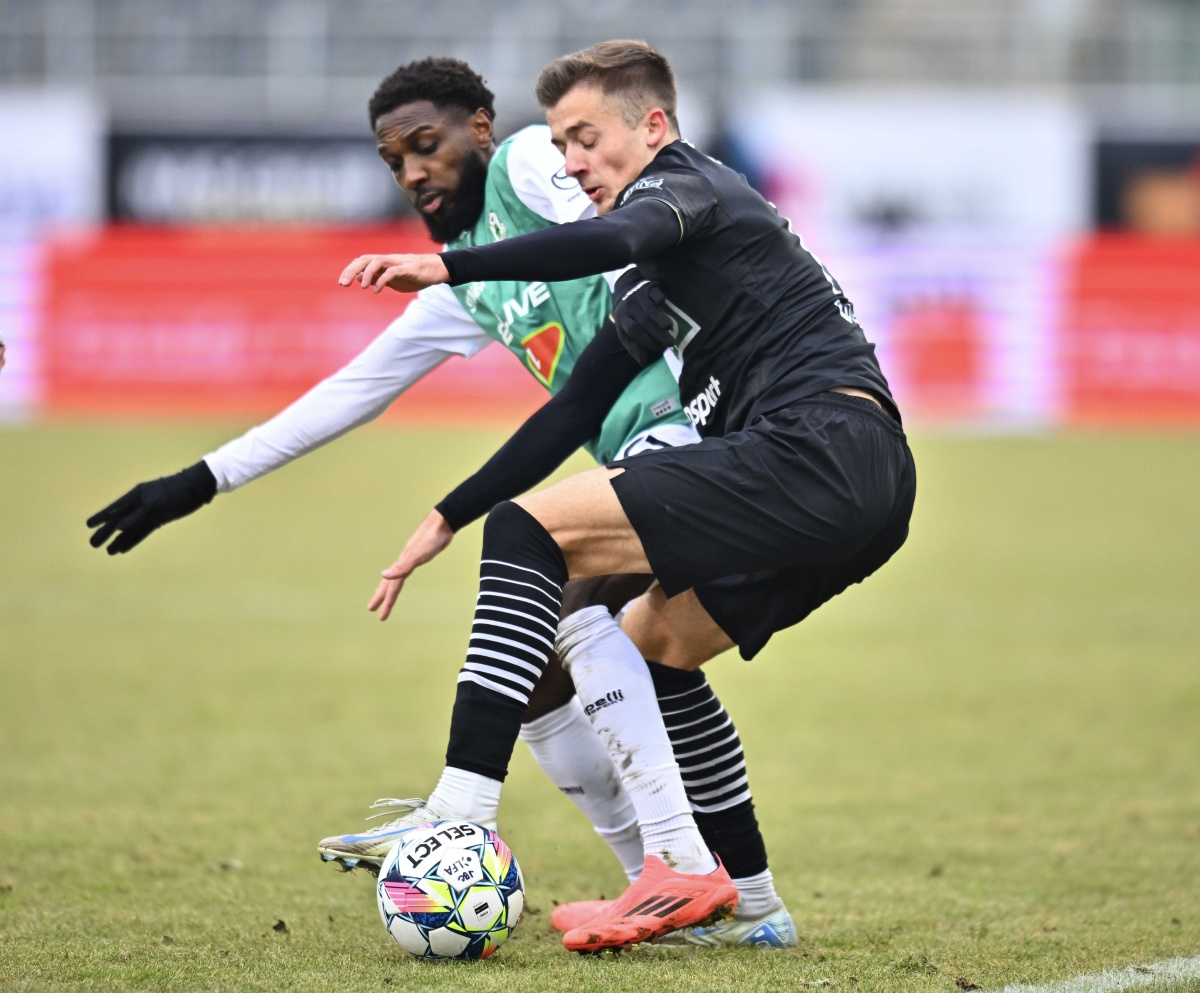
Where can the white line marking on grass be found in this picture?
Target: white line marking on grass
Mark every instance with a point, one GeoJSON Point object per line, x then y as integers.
{"type": "Point", "coordinates": [1112, 980]}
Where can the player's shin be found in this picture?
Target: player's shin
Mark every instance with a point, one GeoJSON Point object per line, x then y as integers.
{"type": "Point", "coordinates": [521, 575]}
{"type": "Point", "coordinates": [568, 751]}
{"type": "Point", "coordinates": [617, 694]}
{"type": "Point", "coordinates": [713, 768]}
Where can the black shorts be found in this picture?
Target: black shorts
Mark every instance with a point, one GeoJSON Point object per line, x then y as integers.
{"type": "Point", "coordinates": [768, 523]}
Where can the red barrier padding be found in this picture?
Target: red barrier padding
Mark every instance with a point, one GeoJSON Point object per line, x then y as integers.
{"type": "Point", "coordinates": [938, 346]}
{"type": "Point", "coordinates": [153, 321]}
{"type": "Point", "coordinates": [1129, 343]}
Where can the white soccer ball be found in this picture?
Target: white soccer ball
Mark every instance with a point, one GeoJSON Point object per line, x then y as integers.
{"type": "Point", "coordinates": [450, 890]}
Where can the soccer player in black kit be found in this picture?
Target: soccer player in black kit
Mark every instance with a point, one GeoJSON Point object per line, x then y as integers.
{"type": "Point", "coordinates": [801, 486]}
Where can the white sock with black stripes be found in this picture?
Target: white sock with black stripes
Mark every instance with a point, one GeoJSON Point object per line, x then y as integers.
{"type": "Point", "coordinates": [617, 694]}
{"type": "Point", "coordinates": [569, 751]}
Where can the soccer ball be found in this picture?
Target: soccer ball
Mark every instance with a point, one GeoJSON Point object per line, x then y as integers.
{"type": "Point", "coordinates": [450, 890]}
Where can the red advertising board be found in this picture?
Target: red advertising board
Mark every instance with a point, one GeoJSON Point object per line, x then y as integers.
{"type": "Point", "coordinates": [239, 322]}
{"type": "Point", "coordinates": [938, 345]}
{"type": "Point", "coordinates": [1129, 338]}
{"type": "Point", "coordinates": [234, 321]}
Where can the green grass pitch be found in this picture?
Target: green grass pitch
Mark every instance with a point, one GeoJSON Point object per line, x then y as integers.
{"type": "Point", "coordinates": [980, 767]}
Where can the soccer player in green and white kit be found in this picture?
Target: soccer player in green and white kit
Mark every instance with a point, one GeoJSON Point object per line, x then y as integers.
{"type": "Point", "coordinates": [433, 123]}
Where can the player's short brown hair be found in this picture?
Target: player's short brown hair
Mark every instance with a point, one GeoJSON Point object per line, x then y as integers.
{"type": "Point", "coordinates": [631, 71]}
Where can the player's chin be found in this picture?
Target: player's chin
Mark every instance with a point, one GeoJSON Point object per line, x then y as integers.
{"type": "Point", "coordinates": [440, 223]}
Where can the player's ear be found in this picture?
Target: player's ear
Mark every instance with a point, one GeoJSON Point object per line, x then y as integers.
{"type": "Point", "coordinates": [657, 127]}
{"type": "Point", "coordinates": [480, 126]}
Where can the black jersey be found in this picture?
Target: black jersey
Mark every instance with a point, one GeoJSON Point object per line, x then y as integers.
{"type": "Point", "coordinates": [759, 320]}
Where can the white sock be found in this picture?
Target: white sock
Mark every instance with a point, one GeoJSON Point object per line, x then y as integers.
{"type": "Point", "coordinates": [569, 751]}
{"type": "Point", "coordinates": [756, 895]}
{"type": "Point", "coordinates": [618, 696]}
{"type": "Point", "coordinates": [466, 795]}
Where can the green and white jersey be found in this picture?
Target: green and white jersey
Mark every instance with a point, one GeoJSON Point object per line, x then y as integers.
{"type": "Point", "coordinates": [547, 325]}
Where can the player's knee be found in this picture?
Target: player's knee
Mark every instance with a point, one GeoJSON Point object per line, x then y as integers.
{"type": "Point", "coordinates": [508, 522]}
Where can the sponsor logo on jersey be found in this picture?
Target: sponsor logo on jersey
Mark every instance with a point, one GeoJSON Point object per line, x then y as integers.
{"type": "Point", "coordinates": [683, 327]}
{"type": "Point", "coordinates": [531, 297]}
{"type": "Point", "coordinates": [543, 349]}
{"type": "Point", "coordinates": [703, 404]}
{"type": "Point", "coordinates": [649, 183]}
{"type": "Point", "coordinates": [534, 295]}
{"type": "Point", "coordinates": [609, 698]}
{"type": "Point", "coordinates": [496, 226]}
{"type": "Point", "coordinates": [664, 407]}
{"type": "Point", "coordinates": [564, 182]}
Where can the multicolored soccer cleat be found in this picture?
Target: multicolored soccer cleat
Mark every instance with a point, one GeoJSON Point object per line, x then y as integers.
{"type": "Point", "coordinates": [368, 849]}
{"type": "Point", "coordinates": [660, 901]}
{"type": "Point", "coordinates": [774, 929]}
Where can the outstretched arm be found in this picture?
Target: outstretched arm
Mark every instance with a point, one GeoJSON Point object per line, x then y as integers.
{"type": "Point", "coordinates": [423, 337]}
{"type": "Point", "coordinates": [551, 434]}
{"type": "Point", "coordinates": [642, 230]}
{"type": "Point", "coordinates": [546, 440]}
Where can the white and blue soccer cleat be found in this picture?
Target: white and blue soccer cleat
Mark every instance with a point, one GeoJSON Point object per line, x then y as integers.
{"type": "Point", "coordinates": [368, 849]}
{"type": "Point", "coordinates": [774, 929]}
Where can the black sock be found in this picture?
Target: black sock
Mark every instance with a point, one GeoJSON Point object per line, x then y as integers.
{"type": "Point", "coordinates": [713, 767]}
{"type": "Point", "coordinates": [521, 576]}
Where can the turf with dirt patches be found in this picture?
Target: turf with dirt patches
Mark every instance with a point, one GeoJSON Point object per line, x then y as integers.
{"type": "Point", "coordinates": [978, 768]}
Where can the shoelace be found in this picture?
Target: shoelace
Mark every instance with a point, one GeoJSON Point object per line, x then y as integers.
{"type": "Point", "coordinates": [390, 804]}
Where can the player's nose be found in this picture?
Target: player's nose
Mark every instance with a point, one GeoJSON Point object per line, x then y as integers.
{"type": "Point", "coordinates": [576, 165]}
{"type": "Point", "coordinates": [415, 174]}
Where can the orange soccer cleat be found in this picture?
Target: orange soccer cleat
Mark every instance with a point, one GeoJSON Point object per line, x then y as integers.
{"type": "Point", "coordinates": [660, 901]}
{"type": "Point", "coordinates": [568, 916]}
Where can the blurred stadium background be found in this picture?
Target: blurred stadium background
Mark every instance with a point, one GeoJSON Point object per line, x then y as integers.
{"type": "Point", "coordinates": [1010, 191]}
{"type": "Point", "coordinates": [990, 750]}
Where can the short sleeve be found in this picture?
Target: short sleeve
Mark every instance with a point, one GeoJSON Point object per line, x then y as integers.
{"type": "Point", "coordinates": [537, 172]}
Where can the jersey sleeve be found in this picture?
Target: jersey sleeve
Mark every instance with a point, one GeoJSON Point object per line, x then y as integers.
{"type": "Point", "coordinates": [551, 434]}
{"type": "Point", "coordinates": [688, 193]}
{"type": "Point", "coordinates": [431, 330]}
{"type": "Point", "coordinates": [538, 174]}
{"type": "Point", "coordinates": [571, 251]}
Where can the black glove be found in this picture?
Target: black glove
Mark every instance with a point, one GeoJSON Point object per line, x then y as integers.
{"type": "Point", "coordinates": [149, 506]}
{"type": "Point", "coordinates": [642, 324]}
